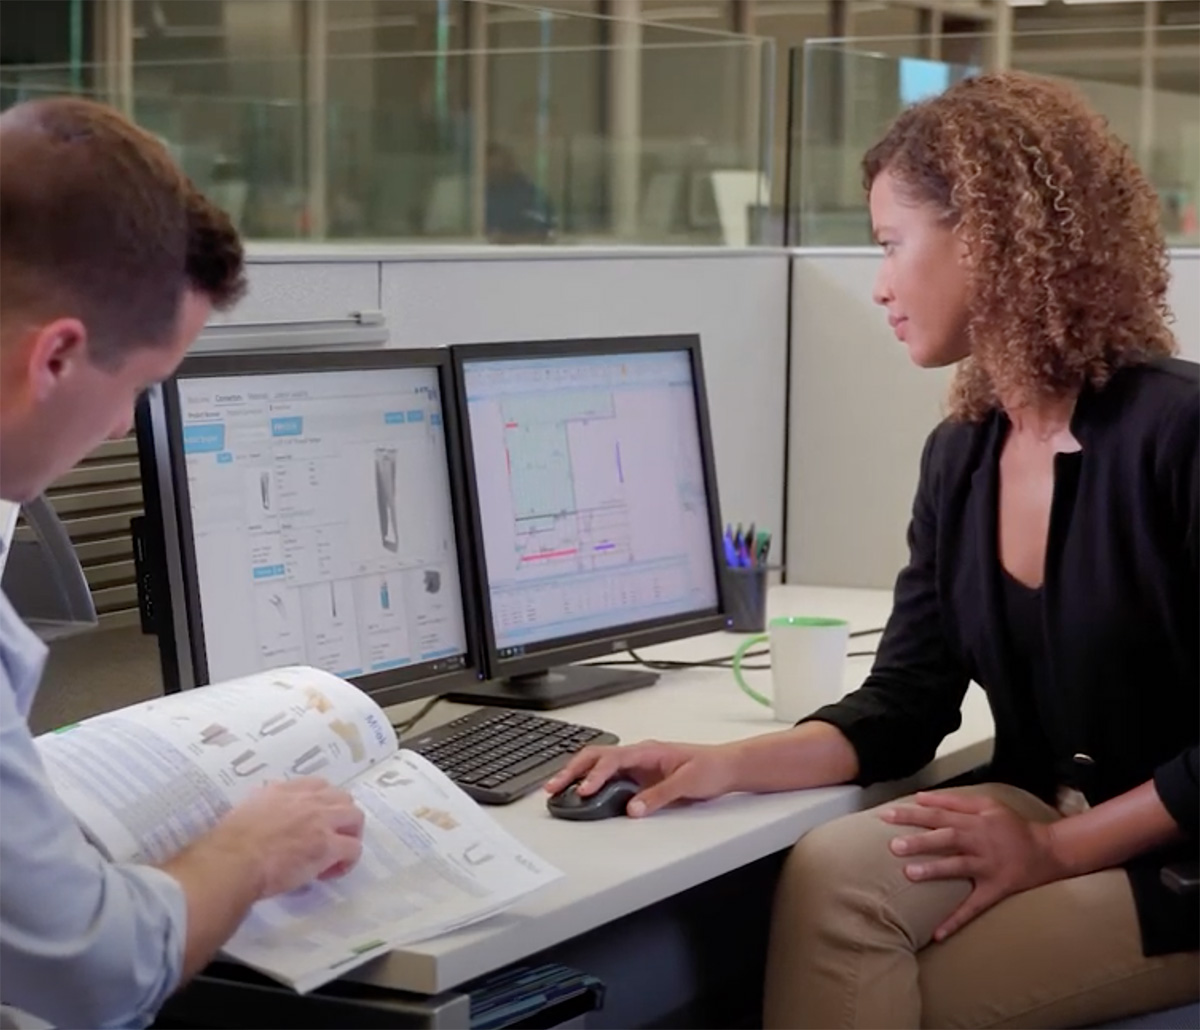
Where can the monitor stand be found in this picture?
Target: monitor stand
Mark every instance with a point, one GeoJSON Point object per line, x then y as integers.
{"type": "Point", "coordinates": [556, 688]}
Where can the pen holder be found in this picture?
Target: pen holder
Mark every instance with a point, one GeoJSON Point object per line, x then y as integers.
{"type": "Point", "coordinates": [746, 598]}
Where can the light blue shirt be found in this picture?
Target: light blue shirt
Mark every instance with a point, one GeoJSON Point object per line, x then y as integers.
{"type": "Point", "coordinates": [84, 942]}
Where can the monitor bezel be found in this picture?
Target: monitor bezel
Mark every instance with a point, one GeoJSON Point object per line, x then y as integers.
{"type": "Point", "coordinates": [185, 662]}
{"type": "Point", "coordinates": [544, 655]}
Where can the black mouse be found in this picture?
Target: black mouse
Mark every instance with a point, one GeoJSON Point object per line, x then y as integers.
{"type": "Point", "coordinates": [608, 801]}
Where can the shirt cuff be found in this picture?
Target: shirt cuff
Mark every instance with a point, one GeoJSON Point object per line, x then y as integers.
{"type": "Point", "coordinates": [168, 954]}
{"type": "Point", "coordinates": [1178, 787]}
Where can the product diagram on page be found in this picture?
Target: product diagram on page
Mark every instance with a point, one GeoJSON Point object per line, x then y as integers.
{"type": "Point", "coordinates": [310, 762]}
{"type": "Point", "coordinates": [392, 778]}
{"type": "Point", "coordinates": [477, 854]}
{"type": "Point", "coordinates": [351, 736]}
{"type": "Point", "coordinates": [277, 724]}
{"type": "Point", "coordinates": [245, 765]}
{"type": "Point", "coordinates": [438, 817]}
{"type": "Point", "coordinates": [317, 701]}
{"type": "Point", "coordinates": [216, 735]}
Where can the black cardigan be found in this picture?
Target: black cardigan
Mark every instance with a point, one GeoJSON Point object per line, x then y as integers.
{"type": "Point", "coordinates": [1118, 704]}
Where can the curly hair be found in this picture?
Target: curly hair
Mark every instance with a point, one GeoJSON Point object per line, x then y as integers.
{"type": "Point", "coordinates": [1066, 255]}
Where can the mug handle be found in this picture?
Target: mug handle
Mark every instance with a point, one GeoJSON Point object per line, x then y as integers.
{"type": "Point", "coordinates": [738, 657]}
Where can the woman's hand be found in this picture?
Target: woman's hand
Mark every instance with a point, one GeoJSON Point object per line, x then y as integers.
{"type": "Point", "coordinates": [666, 772]}
{"type": "Point", "coordinates": [974, 838]}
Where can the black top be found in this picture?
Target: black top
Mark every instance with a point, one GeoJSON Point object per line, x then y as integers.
{"type": "Point", "coordinates": [1113, 698]}
{"type": "Point", "coordinates": [1024, 623]}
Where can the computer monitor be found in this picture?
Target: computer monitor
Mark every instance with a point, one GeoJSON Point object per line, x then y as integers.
{"type": "Point", "coordinates": [307, 507]}
{"type": "Point", "coordinates": [594, 501]}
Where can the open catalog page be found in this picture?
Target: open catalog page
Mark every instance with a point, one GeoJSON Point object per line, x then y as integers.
{"type": "Point", "coordinates": [146, 780]}
{"type": "Point", "coordinates": [433, 860]}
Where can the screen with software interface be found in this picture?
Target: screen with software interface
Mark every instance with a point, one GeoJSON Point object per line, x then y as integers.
{"type": "Point", "coordinates": [592, 497]}
{"type": "Point", "coordinates": [322, 520]}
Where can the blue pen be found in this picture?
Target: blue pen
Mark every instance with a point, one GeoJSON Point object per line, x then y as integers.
{"type": "Point", "coordinates": [730, 553]}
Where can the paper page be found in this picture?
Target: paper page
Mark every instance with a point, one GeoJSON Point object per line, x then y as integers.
{"type": "Point", "coordinates": [433, 860]}
{"type": "Point", "coordinates": [146, 780]}
{"type": "Point", "coordinates": [8, 526]}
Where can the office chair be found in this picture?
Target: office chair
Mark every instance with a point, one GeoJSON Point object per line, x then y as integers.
{"type": "Point", "coordinates": [1181, 878]}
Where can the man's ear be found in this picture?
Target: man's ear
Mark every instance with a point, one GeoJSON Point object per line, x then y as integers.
{"type": "Point", "coordinates": [57, 352]}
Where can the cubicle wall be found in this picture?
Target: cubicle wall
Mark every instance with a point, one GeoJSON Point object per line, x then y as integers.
{"type": "Point", "coordinates": [860, 412]}
{"type": "Point", "coordinates": [735, 300]}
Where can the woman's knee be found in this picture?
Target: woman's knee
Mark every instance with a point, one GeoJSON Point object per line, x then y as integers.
{"type": "Point", "coordinates": [851, 851]}
{"type": "Point", "coordinates": [844, 875]}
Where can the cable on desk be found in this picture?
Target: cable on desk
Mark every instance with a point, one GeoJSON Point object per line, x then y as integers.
{"type": "Point", "coordinates": [402, 728]}
{"type": "Point", "coordinates": [723, 662]}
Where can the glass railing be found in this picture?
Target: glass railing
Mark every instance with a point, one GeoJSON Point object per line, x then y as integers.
{"type": "Point", "coordinates": [848, 91]}
{"type": "Point", "coordinates": [542, 138]}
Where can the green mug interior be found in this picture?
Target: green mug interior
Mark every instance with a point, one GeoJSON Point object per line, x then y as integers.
{"type": "Point", "coordinates": [812, 621]}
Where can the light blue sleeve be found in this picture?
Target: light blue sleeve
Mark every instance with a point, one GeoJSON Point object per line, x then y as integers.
{"type": "Point", "coordinates": [84, 942]}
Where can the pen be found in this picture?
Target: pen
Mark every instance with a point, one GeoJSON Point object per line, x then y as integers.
{"type": "Point", "coordinates": [762, 547]}
{"type": "Point", "coordinates": [730, 555]}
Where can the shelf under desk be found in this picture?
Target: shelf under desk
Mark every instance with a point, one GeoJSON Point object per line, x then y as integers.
{"type": "Point", "coordinates": [618, 866]}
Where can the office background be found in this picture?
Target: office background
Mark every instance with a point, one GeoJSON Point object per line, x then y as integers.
{"type": "Point", "coordinates": [700, 163]}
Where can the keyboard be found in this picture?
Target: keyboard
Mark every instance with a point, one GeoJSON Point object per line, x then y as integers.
{"type": "Point", "coordinates": [497, 755]}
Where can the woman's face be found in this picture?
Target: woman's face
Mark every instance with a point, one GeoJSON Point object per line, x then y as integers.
{"type": "Point", "coordinates": [923, 281]}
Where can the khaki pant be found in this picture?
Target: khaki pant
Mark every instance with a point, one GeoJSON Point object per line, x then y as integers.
{"type": "Point", "coordinates": [850, 942]}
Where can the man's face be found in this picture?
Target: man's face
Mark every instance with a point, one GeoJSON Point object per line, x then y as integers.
{"type": "Point", "coordinates": [58, 405]}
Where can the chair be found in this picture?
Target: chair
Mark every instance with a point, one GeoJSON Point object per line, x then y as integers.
{"type": "Point", "coordinates": [1181, 878]}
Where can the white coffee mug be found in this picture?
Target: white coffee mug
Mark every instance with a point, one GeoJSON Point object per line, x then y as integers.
{"type": "Point", "coordinates": [808, 658]}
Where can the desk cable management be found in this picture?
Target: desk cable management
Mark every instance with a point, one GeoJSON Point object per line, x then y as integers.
{"type": "Point", "coordinates": [655, 665]}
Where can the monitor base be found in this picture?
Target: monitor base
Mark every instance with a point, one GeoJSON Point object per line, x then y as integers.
{"type": "Point", "coordinates": [555, 688]}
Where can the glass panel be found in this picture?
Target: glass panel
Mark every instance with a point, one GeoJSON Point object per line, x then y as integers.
{"type": "Point", "coordinates": [702, 179]}
{"type": "Point", "coordinates": [545, 164]}
{"type": "Point", "coordinates": [447, 120]}
{"type": "Point", "coordinates": [864, 84]}
{"type": "Point", "coordinates": [790, 24]}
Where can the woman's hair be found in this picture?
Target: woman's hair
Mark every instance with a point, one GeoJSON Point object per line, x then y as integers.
{"type": "Point", "coordinates": [1066, 254]}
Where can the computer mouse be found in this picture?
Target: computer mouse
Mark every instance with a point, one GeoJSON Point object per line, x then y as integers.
{"type": "Point", "coordinates": [608, 801]}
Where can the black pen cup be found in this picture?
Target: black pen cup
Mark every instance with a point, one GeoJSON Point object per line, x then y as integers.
{"type": "Point", "coordinates": [746, 599]}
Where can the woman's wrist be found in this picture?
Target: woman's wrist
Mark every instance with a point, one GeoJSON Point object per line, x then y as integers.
{"type": "Point", "coordinates": [815, 754]}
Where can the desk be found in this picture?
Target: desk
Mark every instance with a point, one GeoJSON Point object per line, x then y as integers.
{"type": "Point", "coordinates": [618, 866]}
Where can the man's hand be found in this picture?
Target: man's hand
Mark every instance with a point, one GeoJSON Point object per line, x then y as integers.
{"type": "Point", "coordinates": [294, 832]}
{"type": "Point", "coordinates": [968, 837]}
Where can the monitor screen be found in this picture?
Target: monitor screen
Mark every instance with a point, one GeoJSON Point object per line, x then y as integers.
{"type": "Point", "coordinates": [593, 488]}
{"type": "Point", "coordinates": [317, 519]}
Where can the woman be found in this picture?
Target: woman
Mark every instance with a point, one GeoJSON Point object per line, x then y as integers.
{"type": "Point", "coordinates": [1055, 559]}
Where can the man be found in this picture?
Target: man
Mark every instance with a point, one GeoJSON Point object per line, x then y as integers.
{"type": "Point", "coordinates": [110, 264]}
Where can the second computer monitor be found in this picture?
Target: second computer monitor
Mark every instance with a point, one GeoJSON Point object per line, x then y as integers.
{"type": "Point", "coordinates": [594, 498]}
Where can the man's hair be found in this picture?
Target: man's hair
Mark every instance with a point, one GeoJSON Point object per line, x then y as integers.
{"type": "Point", "coordinates": [97, 222]}
{"type": "Point", "coordinates": [1067, 257]}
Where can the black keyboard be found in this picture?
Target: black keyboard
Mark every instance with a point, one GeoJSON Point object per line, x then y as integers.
{"type": "Point", "coordinates": [497, 755]}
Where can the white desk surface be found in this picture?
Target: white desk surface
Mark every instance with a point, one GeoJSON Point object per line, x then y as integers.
{"type": "Point", "coordinates": [616, 866]}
